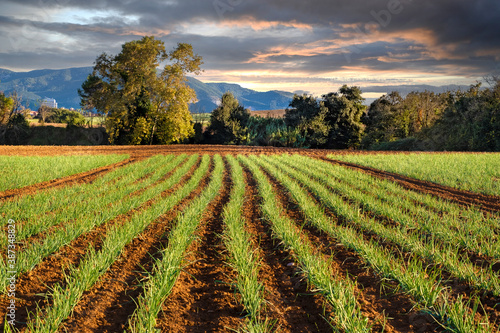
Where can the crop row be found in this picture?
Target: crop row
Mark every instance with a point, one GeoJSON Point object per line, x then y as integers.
{"type": "Point", "coordinates": [422, 284]}
{"type": "Point", "coordinates": [102, 209]}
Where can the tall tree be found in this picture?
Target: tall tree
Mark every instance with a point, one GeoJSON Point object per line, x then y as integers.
{"type": "Point", "coordinates": [471, 121]}
{"type": "Point", "coordinates": [6, 106]}
{"type": "Point", "coordinates": [307, 115]}
{"type": "Point", "coordinates": [380, 120]}
{"type": "Point", "coordinates": [228, 122]}
{"type": "Point", "coordinates": [141, 105]}
{"type": "Point", "coordinates": [13, 124]}
{"type": "Point", "coordinates": [345, 109]}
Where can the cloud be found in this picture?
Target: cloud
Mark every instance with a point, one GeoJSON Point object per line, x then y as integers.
{"type": "Point", "coordinates": [412, 40]}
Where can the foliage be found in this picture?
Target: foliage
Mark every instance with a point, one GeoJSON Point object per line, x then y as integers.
{"type": "Point", "coordinates": [308, 116]}
{"type": "Point", "coordinates": [393, 117]}
{"type": "Point", "coordinates": [16, 130]}
{"type": "Point", "coordinates": [44, 113]}
{"type": "Point", "coordinates": [14, 127]}
{"type": "Point", "coordinates": [471, 121]}
{"type": "Point", "coordinates": [345, 109]}
{"type": "Point", "coordinates": [453, 120]}
{"type": "Point", "coordinates": [228, 122]}
{"type": "Point", "coordinates": [143, 107]}
{"type": "Point", "coordinates": [6, 105]}
{"type": "Point", "coordinates": [274, 132]}
{"type": "Point", "coordinates": [333, 122]}
{"type": "Point", "coordinates": [72, 118]}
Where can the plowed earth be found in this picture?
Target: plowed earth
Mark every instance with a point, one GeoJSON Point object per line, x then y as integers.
{"type": "Point", "coordinates": [204, 298]}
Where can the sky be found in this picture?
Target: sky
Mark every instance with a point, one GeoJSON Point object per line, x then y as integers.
{"type": "Point", "coordinates": [292, 45]}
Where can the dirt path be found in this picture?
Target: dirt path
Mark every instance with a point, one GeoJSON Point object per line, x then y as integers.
{"type": "Point", "coordinates": [146, 151]}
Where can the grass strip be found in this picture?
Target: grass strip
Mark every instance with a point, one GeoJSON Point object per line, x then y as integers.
{"type": "Point", "coordinates": [242, 256]}
{"type": "Point", "coordinates": [20, 171]}
{"type": "Point", "coordinates": [465, 171]}
{"type": "Point", "coordinates": [161, 280]}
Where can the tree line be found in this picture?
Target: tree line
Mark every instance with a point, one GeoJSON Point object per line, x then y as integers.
{"type": "Point", "coordinates": [144, 105]}
{"type": "Point", "coordinates": [453, 120]}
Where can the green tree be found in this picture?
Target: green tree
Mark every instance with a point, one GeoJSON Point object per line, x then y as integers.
{"type": "Point", "coordinates": [307, 115]}
{"type": "Point", "coordinates": [44, 114]}
{"type": "Point", "coordinates": [6, 106]}
{"type": "Point", "coordinates": [392, 117]}
{"type": "Point", "coordinates": [471, 121]}
{"type": "Point", "coordinates": [345, 109]}
{"type": "Point", "coordinates": [14, 128]}
{"type": "Point", "coordinates": [380, 120]}
{"type": "Point", "coordinates": [72, 118]}
{"type": "Point", "coordinates": [228, 122]}
{"type": "Point", "coordinates": [274, 132]}
{"type": "Point", "coordinates": [141, 105]}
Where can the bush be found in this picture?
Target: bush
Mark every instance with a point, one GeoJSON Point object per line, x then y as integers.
{"type": "Point", "coordinates": [63, 116]}
{"type": "Point", "coordinates": [406, 144]}
{"type": "Point", "coordinates": [274, 132]}
{"type": "Point", "coordinates": [16, 131]}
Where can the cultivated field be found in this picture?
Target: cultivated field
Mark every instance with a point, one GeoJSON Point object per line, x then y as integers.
{"type": "Point", "coordinates": [16, 172]}
{"type": "Point", "coordinates": [471, 172]}
{"type": "Point", "coordinates": [250, 239]}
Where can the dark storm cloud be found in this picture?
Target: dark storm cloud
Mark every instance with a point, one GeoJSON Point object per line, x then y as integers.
{"type": "Point", "coordinates": [452, 37]}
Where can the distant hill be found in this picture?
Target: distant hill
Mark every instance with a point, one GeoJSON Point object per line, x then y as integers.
{"type": "Point", "coordinates": [209, 95]}
{"type": "Point", "coordinates": [406, 89]}
{"type": "Point", "coordinates": [34, 86]}
{"type": "Point", "coordinates": [63, 85]}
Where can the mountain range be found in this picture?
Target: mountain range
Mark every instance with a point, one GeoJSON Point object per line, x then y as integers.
{"type": "Point", "coordinates": [63, 84]}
